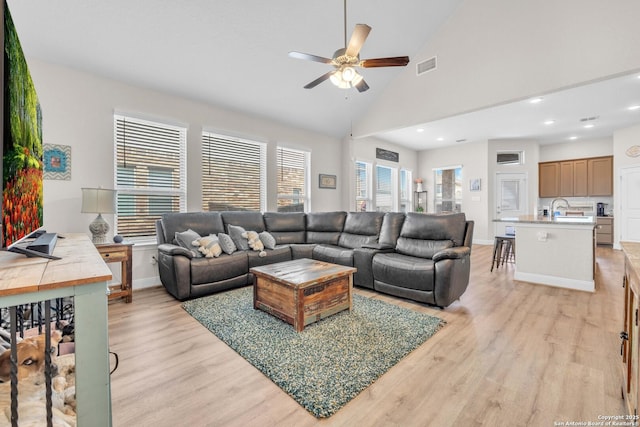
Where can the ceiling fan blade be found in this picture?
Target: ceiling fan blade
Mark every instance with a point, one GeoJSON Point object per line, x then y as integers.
{"type": "Point", "coordinates": [309, 57]}
{"type": "Point", "coordinates": [396, 61]}
{"type": "Point", "coordinates": [362, 86]}
{"type": "Point", "coordinates": [319, 80]}
{"type": "Point", "coordinates": [358, 37]}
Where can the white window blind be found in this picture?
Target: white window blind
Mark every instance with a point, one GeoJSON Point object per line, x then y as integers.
{"type": "Point", "coordinates": [363, 174]}
{"type": "Point", "coordinates": [150, 173]}
{"type": "Point", "coordinates": [293, 166]}
{"type": "Point", "coordinates": [406, 192]}
{"type": "Point", "coordinates": [233, 174]}
{"type": "Point", "coordinates": [385, 191]}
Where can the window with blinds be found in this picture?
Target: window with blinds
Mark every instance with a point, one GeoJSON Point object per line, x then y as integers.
{"type": "Point", "coordinates": [406, 191]}
{"type": "Point", "coordinates": [233, 174]}
{"type": "Point", "coordinates": [293, 166]}
{"type": "Point", "coordinates": [150, 173]}
{"type": "Point", "coordinates": [363, 174]}
{"type": "Point", "coordinates": [385, 193]}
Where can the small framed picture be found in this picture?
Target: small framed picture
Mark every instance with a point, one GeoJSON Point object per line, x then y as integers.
{"type": "Point", "coordinates": [57, 162]}
{"type": "Point", "coordinates": [475, 184]}
{"type": "Point", "coordinates": [327, 181]}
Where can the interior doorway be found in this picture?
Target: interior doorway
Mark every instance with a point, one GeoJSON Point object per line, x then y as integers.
{"type": "Point", "coordinates": [511, 198]}
{"type": "Point", "coordinates": [629, 221]}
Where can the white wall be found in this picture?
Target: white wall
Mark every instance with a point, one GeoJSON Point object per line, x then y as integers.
{"type": "Point", "coordinates": [78, 111]}
{"type": "Point", "coordinates": [473, 158]}
{"type": "Point", "coordinates": [578, 149]}
{"type": "Point", "coordinates": [492, 52]}
{"type": "Point", "coordinates": [622, 140]}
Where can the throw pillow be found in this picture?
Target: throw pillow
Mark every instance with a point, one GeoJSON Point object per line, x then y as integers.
{"type": "Point", "coordinates": [268, 240]}
{"type": "Point", "coordinates": [185, 239]}
{"type": "Point", "coordinates": [236, 232]}
{"type": "Point", "coordinates": [226, 243]}
{"type": "Point", "coordinates": [209, 246]}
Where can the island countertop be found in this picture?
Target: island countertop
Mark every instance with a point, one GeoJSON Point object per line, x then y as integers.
{"type": "Point", "coordinates": [561, 220]}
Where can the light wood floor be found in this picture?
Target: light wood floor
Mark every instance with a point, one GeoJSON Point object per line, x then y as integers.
{"type": "Point", "coordinates": [512, 354]}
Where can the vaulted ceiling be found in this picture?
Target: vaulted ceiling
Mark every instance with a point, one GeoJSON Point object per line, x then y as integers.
{"type": "Point", "coordinates": [234, 55]}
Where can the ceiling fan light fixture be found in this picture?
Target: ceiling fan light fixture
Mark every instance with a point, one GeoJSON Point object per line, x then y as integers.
{"type": "Point", "coordinates": [348, 74]}
{"type": "Point", "coordinates": [338, 80]}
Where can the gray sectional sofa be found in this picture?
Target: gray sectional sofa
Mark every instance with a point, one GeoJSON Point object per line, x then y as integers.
{"type": "Point", "coordinates": [421, 257]}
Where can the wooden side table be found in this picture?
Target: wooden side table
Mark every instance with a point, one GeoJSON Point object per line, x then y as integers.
{"type": "Point", "coordinates": [119, 252]}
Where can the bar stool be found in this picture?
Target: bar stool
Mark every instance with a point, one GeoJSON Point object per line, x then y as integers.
{"type": "Point", "coordinates": [504, 248]}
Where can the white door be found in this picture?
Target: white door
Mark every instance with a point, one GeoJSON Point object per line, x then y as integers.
{"type": "Point", "coordinates": [510, 197]}
{"type": "Point", "coordinates": [629, 221]}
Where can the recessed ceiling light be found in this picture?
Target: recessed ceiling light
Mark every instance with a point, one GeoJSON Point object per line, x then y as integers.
{"type": "Point", "coordinates": [536, 100]}
{"type": "Point", "coordinates": [549, 122]}
{"type": "Point", "coordinates": [419, 130]}
{"type": "Point", "coordinates": [441, 139]}
{"type": "Point", "coordinates": [589, 126]}
{"type": "Point", "coordinates": [573, 137]}
{"type": "Point", "coordinates": [634, 107]}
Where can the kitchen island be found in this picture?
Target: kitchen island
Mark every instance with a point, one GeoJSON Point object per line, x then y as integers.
{"type": "Point", "coordinates": [555, 251]}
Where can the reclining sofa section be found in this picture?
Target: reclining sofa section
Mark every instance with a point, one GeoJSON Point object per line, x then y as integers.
{"type": "Point", "coordinates": [421, 257]}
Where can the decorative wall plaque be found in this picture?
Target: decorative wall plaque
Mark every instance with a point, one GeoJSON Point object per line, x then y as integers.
{"type": "Point", "coordinates": [383, 154]}
{"type": "Point", "coordinates": [633, 151]}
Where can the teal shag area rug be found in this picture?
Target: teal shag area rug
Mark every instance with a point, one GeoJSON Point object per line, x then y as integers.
{"type": "Point", "coordinates": [330, 361]}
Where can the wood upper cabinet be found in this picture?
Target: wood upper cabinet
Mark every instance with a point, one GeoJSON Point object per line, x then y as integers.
{"type": "Point", "coordinates": [600, 176]}
{"type": "Point", "coordinates": [566, 179]}
{"type": "Point", "coordinates": [580, 174]}
{"type": "Point", "coordinates": [573, 178]}
{"type": "Point", "coordinates": [548, 179]}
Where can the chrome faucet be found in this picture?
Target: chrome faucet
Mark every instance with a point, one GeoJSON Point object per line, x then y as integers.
{"type": "Point", "coordinates": [553, 210]}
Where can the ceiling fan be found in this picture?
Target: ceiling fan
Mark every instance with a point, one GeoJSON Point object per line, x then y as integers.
{"type": "Point", "coordinates": [345, 60]}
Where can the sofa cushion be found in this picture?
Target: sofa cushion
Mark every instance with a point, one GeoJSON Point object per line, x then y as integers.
{"type": "Point", "coordinates": [279, 254]}
{"type": "Point", "coordinates": [404, 271]}
{"type": "Point", "coordinates": [248, 220]}
{"type": "Point", "coordinates": [267, 240]}
{"type": "Point", "coordinates": [325, 227]}
{"type": "Point", "coordinates": [434, 227]}
{"type": "Point", "coordinates": [186, 238]}
{"type": "Point", "coordinates": [360, 228]}
{"type": "Point", "coordinates": [236, 232]}
{"type": "Point", "coordinates": [421, 248]}
{"type": "Point", "coordinates": [390, 230]}
{"type": "Point", "coordinates": [209, 246]}
{"type": "Point", "coordinates": [210, 270]}
{"type": "Point", "coordinates": [286, 227]}
{"type": "Point", "coordinates": [203, 223]}
{"type": "Point", "coordinates": [226, 243]}
{"type": "Point", "coordinates": [333, 254]}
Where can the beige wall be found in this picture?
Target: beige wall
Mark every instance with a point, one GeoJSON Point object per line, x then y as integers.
{"type": "Point", "coordinates": [570, 150]}
{"type": "Point", "coordinates": [622, 140]}
{"type": "Point", "coordinates": [78, 111]}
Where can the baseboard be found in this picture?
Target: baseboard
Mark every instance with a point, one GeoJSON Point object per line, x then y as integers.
{"type": "Point", "coordinates": [482, 242]}
{"type": "Point", "coordinates": [147, 282]}
{"type": "Point", "coordinates": [558, 282]}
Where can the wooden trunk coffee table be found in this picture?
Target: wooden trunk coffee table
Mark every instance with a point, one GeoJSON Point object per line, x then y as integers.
{"type": "Point", "coordinates": [302, 291]}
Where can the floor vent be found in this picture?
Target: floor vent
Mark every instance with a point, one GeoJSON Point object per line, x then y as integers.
{"type": "Point", "coordinates": [426, 66]}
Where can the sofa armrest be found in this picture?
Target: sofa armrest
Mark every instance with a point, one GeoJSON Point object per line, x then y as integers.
{"type": "Point", "coordinates": [171, 250]}
{"type": "Point", "coordinates": [452, 253]}
{"type": "Point", "coordinates": [380, 246]}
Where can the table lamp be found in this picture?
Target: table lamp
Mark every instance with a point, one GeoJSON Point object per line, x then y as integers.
{"type": "Point", "coordinates": [98, 200]}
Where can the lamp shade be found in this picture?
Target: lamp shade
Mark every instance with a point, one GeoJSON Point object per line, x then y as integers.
{"type": "Point", "coordinates": [98, 200]}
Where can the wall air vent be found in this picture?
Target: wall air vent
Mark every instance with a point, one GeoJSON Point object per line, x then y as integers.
{"type": "Point", "coordinates": [426, 66]}
{"type": "Point", "coordinates": [510, 158]}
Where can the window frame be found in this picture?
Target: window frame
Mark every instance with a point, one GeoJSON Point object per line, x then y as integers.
{"type": "Point", "coordinates": [135, 192]}
{"type": "Point", "coordinates": [213, 137]}
{"type": "Point", "coordinates": [367, 199]}
{"type": "Point", "coordinates": [305, 196]}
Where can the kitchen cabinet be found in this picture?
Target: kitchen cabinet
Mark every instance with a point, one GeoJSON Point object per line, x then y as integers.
{"type": "Point", "coordinates": [604, 230]}
{"type": "Point", "coordinates": [580, 178]}
{"type": "Point", "coordinates": [600, 176]}
{"type": "Point", "coordinates": [549, 179]}
{"type": "Point", "coordinates": [576, 178]}
{"type": "Point", "coordinates": [629, 335]}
